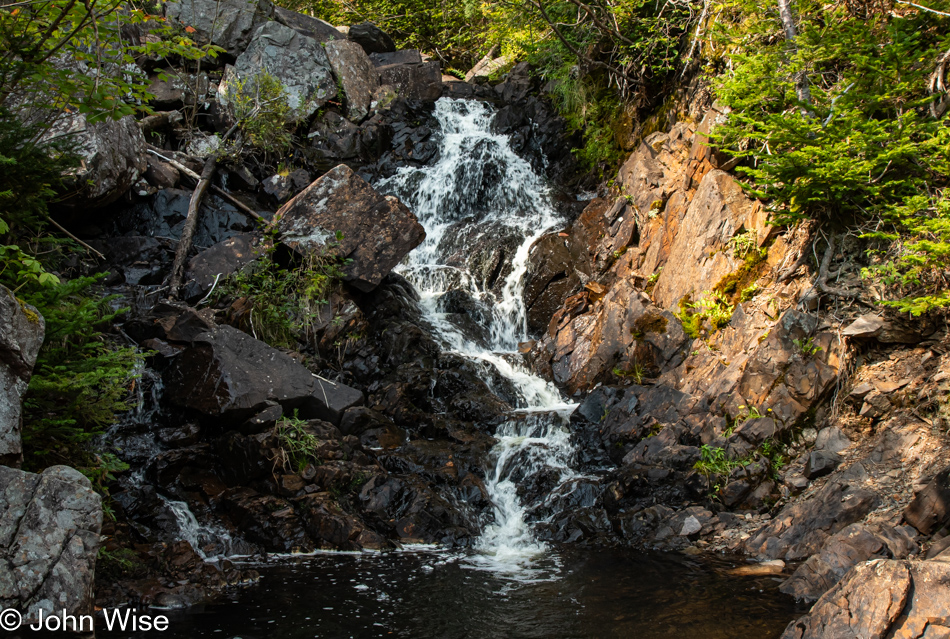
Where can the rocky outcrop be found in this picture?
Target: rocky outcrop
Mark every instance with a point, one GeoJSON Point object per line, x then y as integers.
{"type": "Point", "coordinates": [356, 75]}
{"type": "Point", "coordinates": [882, 598]}
{"type": "Point", "coordinates": [930, 509]}
{"type": "Point", "coordinates": [228, 374]}
{"type": "Point", "coordinates": [342, 215]}
{"type": "Point", "coordinates": [213, 265]}
{"type": "Point", "coordinates": [412, 81]}
{"type": "Point", "coordinates": [49, 538]}
{"type": "Point", "coordinates": [21, 335]}
{"type": "Point", "coordinates": [229, 24]}
{"type": "Point", "coordinates": [112, 159]}
{"type": "Point", "coordinates": [298, 62]}
{"type": "Point", "coordinates": [320, 30]}
{"type": "Point", "coordinates": [371, 38]}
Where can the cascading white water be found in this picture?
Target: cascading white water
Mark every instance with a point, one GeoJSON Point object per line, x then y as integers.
{"type": "Point", "coordinates": [481, 193]}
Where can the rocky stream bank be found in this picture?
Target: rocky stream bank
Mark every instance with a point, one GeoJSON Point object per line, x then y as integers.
{"type": "Point", "coordinates": [804, 431]}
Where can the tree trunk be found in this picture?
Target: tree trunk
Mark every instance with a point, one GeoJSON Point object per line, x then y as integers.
{"type": "Point", "coordinates": [802, 88]}
{"type": "Point", "coordinates": [191, 221]}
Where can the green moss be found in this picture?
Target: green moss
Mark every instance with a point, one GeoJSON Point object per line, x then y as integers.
{"type": "Point", "coordinates": [651, 322]}
{"type": "Point", "coordinates": [740, 282]}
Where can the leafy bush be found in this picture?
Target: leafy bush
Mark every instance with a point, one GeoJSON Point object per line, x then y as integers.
{"type": "Point", "coordinates": [80, 380]}
{"type": "Point", "coordinates": [279, 305]}
{"type": "Point", "coordinates": [262, 111]}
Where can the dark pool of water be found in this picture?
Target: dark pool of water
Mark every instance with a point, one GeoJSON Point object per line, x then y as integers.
{"type": "Point", "coordinates": [597, 594]}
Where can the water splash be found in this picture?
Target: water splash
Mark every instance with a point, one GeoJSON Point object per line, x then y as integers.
{"type": "Point", "coordinates": [478, 194]}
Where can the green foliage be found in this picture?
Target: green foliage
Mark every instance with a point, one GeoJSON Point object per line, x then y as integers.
{"type": "Point", "coordinates": [262, 112]}
{"type": "Point", "coordinates": [915, 268]}
{"type": "Point", "coordinates": [743, 243]}
{"type": "Point", "coordinates": [80, 380]}
{"type": "Point", "coordinates": [870, 145]}
{"type": "Point", "coordinates": [712, 309]}
{"type": "Point", "coordinates": [280, 304]}
{"type": "Point", "coordinates": [70, 55]}
{"type": "Point", "coordinates": [635, 373]}
{"type": "Point", "coordinates": [121, 563]}
{"type": "Point", "coordinates": [806, 347]}
{"type": "Point", "coordinates": [298, 444]}
{"type": "Point", "coordinates": [714, 461]}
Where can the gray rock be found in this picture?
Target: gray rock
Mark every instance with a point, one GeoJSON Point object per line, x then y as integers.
{"type": "Point", "coordinates": [882, 330]}
{"type": "Point", "coordinates": [299, 63]}
{"type": "Point", "coordinates": [377, 231]}
{"type": "Point", "coordinates": [356, 75]}
{"type": "Point", "coordinates": [21, 335]}
{"type": "Point", "coordinates": [230, 24]}
{"type": "Point", "coordinates": [403, 56]}
{"type": "Point", "coordinates": [371, 38]}
{"type": "Point", "coordinates": [112, 159]}
{"type": "Point", "coordinates": [315, 28]}
{"type": "Point", "coordinates": [228, 374]}
{"type": "Point", "coordinates": [881, 598]}
{"type": "Point", "coordinates": [691, 526]}
{"type": "Point", "coordinates": [831, 439]}
{"type": "Point", "coordinates": [49, 538]}
{"type": "Point", "coordinates": [414, 81]}
{"type": "Point", "coordinates": [821, 463]}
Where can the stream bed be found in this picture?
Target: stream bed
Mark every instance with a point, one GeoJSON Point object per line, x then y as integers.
{"type": "Point", "coordinates": [580, 593]}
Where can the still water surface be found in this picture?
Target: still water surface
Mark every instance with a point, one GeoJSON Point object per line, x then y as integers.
{"type": "Point", "coordinates": [583, 594]}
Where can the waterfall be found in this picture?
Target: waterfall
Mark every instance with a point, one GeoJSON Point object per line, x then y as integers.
{"type": "Point", "coordinates": [477, 201]}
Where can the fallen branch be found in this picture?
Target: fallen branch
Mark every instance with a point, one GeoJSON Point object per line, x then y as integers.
{"type": "Point", "coordinates": [76, 239]}
{"type": "Point", "coordinates": [157, 121]}
{"type": "Point", "coordinates": [244, 208]}
{"type": "Point", "coordinates": [191, 220]}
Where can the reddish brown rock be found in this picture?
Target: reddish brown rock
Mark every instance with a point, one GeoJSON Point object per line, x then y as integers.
{"type": "Point", "coordinates": [375, 232]}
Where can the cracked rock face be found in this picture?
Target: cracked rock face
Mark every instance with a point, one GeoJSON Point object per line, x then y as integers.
{"type": "Point", "coordinates": [49, 538]}
{"type": "Point", "coordinates": [21, 336]}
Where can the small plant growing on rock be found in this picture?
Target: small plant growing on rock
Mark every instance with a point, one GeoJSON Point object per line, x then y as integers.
{"type": "Point", "coordinates": [806, 347]}
{"type": "Point", "coordinates": [712, 308]}
{"type": "Point", "coordinates": [261, 109]}
{"type": "Point", "coordinates": [635, 374]}
{"type": "Point", "coordinates": [297, 444]}
{"type": "Point", "coordinates": [743, 243]}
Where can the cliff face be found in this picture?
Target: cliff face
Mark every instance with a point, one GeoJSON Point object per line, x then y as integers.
{"type": "Point", "coordinates": [744, 408]}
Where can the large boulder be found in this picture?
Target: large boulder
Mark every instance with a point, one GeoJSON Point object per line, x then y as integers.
{"type": "Point", "coordinates": [414, 81]}
{"type": "Point", "coordinates": [882, 598]}
{"type": "Point", "coordinates": [930, 509]}
{"type": "Point", "coordinates": [215, 264]}
{"type": "Point", "coordinates": [21, 336]}
{"type": "Point", "coordinates": [356, 75]}
{"type": "Point", "coordinates": [226, 23]}
{"type": "Point", "coordinates": [228, 374]}
{"type": "Point", "coordinates": [371, 38]}
{"type": "Point", "coordinates": [377, 231]}
{"type": "Point", "coordinates": [321, 31]}
{"type": "Point", "coordinates": [298, 62]}
{"type": "Point", "coordinates": [112, 159]}
{"type": "Point", "coordinates": [49, 539]}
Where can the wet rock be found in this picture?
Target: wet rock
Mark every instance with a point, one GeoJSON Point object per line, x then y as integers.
{"type": "Point", "coordinates": [299, 63]}
{"type": "Point", "coordinates": [161, 174]}
{"type": "Point", "coordinates": [327, 524]}
{"type": "Point", "coordinates": [321, 31]}
{"type": "Point", "coordinates": [187, 325]}
{"type": "Point", "coordinates": [930, 509]}
{"type": "Point", "coordinates": [266, 520]}
{"type": "Point", "coordinates": [820, 463]}
{"type": "Point", "coordinates": [49, 539]}
{"type": "Point", "coordinates": [230, 24]}
{"type": "Point", "coordinates": [163, 215]}
{"type": "Point", "coordinates": [264, 420]}
{"type": "Point", "coordinates": [882, 598]}
{"type": "Point", "coordinates": [226, 373]}
{"type": "Point", "coordinates": [356, 74]}
{"type": "Point", "coordinates": [112, 154]}
{"type": "Point", "coordinates": [771, 567]}
{"type": "Point", "coordinates": [22, 329]}
{"type": "Point", "coordinates": [549, 281]}
{"type": "Point", "coordinates": [215, 264]}
{"type": "Point", "coordinates": [413, 81]}
{"type": "Point", "coordinates": [377, 232]}
{"type": "Point", "coordinates": [802, 527]}
{"type": "Point", "coordinates": [371, 38]}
